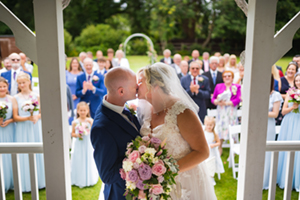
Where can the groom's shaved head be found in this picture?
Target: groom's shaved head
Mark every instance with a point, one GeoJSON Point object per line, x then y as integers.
{"type": "Point", "coordinates": [116, 78]}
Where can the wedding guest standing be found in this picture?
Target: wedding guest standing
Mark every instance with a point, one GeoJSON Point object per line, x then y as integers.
{"type": "Point", "coordinates": [205, 57]}
{"type": "Point", "coordinates": [90, 87]}
{"type": "Point", "coordinates": [167, 57]}
{"type": "Point", "coordinates": [102, 66]}
{"type": "Point", "coordinates": [120, 61]}
{"type": "Point", "coordinates": [275, 101]}
{"type": "Point", "coordinates": [11, 75]}
{"type": "Point", "coordinates": [184, 66]}
{"type": "Point", "coordinates": [221, 66]}
{"type": "Point", "coordinates": [288, 80]}
{"type": "Point", "coordinates": [71, 78]}
{"type": "Point", "coordinates": [290, 127]}
{"type": "Point", "coordinates": [214, 77]}
{"type": "Point", "coordinates": [195, 56]}
{"type": "Point", "coordinates": [83, 168]}
{"type": "Point", "coordinates": [7, 129]}
{"type": "Point", "coordinates": [227, 103]}
{"type": "Point", "coordinates": [232, 64]}
{"type": "Point", "coordinates": [197, 86]}
{"type": "Point", "coordinates": [28, 129]}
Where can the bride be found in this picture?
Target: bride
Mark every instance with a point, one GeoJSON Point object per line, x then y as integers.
{"type": "Point", "coordinates": [170, 113]}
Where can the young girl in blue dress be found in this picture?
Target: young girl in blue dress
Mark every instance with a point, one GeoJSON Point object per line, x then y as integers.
{"type": "Point", "coordinates": [28, 129]}
{"type": "Point", "coordinates": [7, 129]}
{"type": "Point", "coordinates": [83, 168]}
{"type": "Point", "coordinates": [213, 141]}
{"type": "Point", "coordinates": [290, 130]}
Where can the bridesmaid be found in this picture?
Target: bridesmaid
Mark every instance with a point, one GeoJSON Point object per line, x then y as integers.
{"type": "Point", "coordinates": [275, 101]}
{"type": "Point", "coordinates": [7, 128]}
{"type": "Point", "coordinates": [290, 127]}
{"type": "Point", "coordinates": [28, 129]}
{"type": "Point", "coordinates": [83, 168]}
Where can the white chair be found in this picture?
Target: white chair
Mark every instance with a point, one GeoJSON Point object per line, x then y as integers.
{"type": "Point", "coordinates": [277, 129]}
{"type": "Point", "coordinates": [239, 113]}
{"type": "Point", "coordinates": [212, 112]}
{"type": "Point", "coordinates": [234, 132]}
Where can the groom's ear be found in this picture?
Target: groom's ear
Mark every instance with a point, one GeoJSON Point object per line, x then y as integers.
{"type": "Point", "coordinates": [121, 91]}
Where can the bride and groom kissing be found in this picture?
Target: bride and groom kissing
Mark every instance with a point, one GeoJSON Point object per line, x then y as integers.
{"type": "Point", "coordinates": [167, 112]}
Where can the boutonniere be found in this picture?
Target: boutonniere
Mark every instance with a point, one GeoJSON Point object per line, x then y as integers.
{"type": "Point", "coordinates": [131, 108]}
{"type": "Point", "coordinates": [200, 79]}
{"type": "Point", "coordinates": [95, 78]}
{"type": "Point", "coordinates": [234, 89]}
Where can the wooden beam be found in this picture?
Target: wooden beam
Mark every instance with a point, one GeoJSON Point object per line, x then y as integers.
{"type": "Point", "coordinates": [52, 79]}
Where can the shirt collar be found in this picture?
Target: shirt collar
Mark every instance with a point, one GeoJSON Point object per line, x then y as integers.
{"type": "Point", "coordinates": [211, 71]}
{"type": "Point", "coordinates": [115, 108]}
{"type": "Point", "coordinates": [192, 77]}
{"type": "Point", "coordinates": [87, 75]}
{"type": "Point", "coordinates": [17, 70]}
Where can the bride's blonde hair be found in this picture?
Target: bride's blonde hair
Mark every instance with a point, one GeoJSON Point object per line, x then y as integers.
{"type": "Point", "coordinates": [23, 75]}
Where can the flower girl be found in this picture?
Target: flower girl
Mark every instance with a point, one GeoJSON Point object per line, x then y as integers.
{"type": "Point", "coordinates": [83, 168]}
{"type": "Point", "coordinates": [214, 142]}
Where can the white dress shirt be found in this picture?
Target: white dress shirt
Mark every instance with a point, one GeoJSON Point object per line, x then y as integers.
{"type": "Point", "coordinates": [29, 67]}
{"type": "Point", "coordinates": [117, 109]}
{"type": "Point", "coordinates": [95, 66]}
{"type": "Point", "coordinates": [205, 65]}
{"type": "Point", "coordinates": [101, 71]}
{"type": "Point", "coordinates": [123, 63]}
{"type": "Point", "coordinates": [14, 84]}
{"type": "Point", "coordinates": [168, 60]}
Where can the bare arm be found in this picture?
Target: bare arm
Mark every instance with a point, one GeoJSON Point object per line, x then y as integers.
{"type": "Point", "coordinates": [16, 116]}
{"type": "Point", "coordinates": [275, 111]}
{"type": "Point", "coordinates": [73, 134]}
{"type": "Point", "coordinates": [191, 130]}
{"type": "Point", "coordinates": [286, 109]}
{"type": "Point", "coordinates": [218, 143]}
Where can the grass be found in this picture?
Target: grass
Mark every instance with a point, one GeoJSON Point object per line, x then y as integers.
{"type": "Point", "coordinates": [225, 189]}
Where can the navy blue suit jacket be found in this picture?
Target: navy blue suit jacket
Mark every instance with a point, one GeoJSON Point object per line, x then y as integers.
{"type": "Point", "coordinates": [109, 136]}
{"type": "Point", "coordinates": [203, 94]}
{"type": "Point", "coordinates": [93, 99]}
{"type": "Point", "coordinates": [7, 76]}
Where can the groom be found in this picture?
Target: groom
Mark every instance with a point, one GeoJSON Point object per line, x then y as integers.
{"type": "Point", "coordinates": [113, 128]}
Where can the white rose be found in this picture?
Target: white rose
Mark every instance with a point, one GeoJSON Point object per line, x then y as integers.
{"type": "Point", "coordinates": [155, 160]}
{"type": "Point", "coordinates": [130, 185]}
{"type": "Point", "coordinates": [150, 151]}
{"type": "Point", "coordinates": [138, 160]}
{"type": "Point", "coordinates": [127, 166]}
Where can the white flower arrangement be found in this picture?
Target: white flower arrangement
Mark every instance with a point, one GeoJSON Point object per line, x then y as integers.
{"type": "Point", "coordinates": [234, 89]}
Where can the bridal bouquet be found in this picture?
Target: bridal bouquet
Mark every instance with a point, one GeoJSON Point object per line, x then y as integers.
{"type": "Point", "coordinates": [82, 129]}
{"type": "Point", "coordinates": [3, 110]}
{"type": "Point", "coordinates": [147, 169]}
{"type": "Point", "coordinates": [295, 95]}
{"type": "Point", "coordinates": [31, 106]}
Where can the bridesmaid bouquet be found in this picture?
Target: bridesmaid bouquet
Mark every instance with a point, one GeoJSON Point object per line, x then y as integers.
{"type": "Point", "coordinates": [295, 95]}
{"type": "Point", "coordinates": [147, 169]}
{"type": "Point", "coordinates": [3, 111]}
{"type": "Point", "coordinates": [82, 128]}
{"type": "Point", "coordinates": [31, 106]}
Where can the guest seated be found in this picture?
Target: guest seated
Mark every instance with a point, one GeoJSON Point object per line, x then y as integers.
{"type": "Point", "coordinates": [120, 61]}
{"type": "Point", "coordinates": [167, 57]}
{"type": "Point", "coordinates": [226, 97]}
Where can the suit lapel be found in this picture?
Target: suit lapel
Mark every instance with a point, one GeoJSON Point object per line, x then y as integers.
{"type": "Point", "coordinates": [120, 121]}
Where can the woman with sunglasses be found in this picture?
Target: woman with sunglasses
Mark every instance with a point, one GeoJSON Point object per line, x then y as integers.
{"type": "Point", "coordinates": [226, 97]}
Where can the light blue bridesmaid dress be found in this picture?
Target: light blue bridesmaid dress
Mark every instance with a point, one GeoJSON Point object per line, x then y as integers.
{"type": "Point", "coordinates": [83, 168]}
{"type": "Point", "coordinates": [7, 135]}
{"type": "Point", "coordinates": [26, 131]}
{"type": "Point", "coordinates": [274, 97]}
{"type": "Point", "coordinates": [290, 130]}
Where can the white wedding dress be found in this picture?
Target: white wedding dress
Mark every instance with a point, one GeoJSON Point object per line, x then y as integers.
{"type": "Point", "coordinates": [195, 183]}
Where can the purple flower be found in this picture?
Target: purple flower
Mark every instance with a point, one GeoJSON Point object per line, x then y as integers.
{"type": "Point", "coordinates": [160, 179]}
{"type": "Point", "coordinates": [145, 172]}
{"type": "Point", "coordinates": [142, 149]}
{"type": "Point", "coordinates": [136, 165]}
{"type": "Point", "coordinates": [133, 175]}
{"type": "Point", "coordinates": [141, 185]}
{"type": "Point", "coordinates": [155, 141]}
{"type": "Point", "coordinates": [145, 138]}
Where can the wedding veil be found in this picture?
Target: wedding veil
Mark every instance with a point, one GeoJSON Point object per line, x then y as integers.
{"type": "Point", "coordinates": [164, 76]}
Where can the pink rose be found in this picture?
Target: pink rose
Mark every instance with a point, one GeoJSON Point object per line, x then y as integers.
{"type": "Point", "coordinates": [123, 174]}
{"type": "Point", "coordinates": [128, 151]}
{"type": "Point", "coordinates": [156, 189]}
{"type": "Point", "coordinates": [133, 156]}
{"type": "Point", "coordinates": [142, 195]}
{"type": "Point", "coordinates": [80, 128]}
{"type": "Point", "coordinates": [145, 138]}
{"type": "Point", "coordinates": [158, 169]}
{"type": "Point", "coordinates": [160, 179]}
{"type": "Point", "coordinates": [142, 149]}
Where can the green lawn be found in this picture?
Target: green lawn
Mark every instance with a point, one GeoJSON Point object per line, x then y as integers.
{"type": "Point", "coordinates": [225, 188]}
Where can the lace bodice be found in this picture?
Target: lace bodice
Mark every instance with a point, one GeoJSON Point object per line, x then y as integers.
{"type": "Point", "coordinates": [176, 145]}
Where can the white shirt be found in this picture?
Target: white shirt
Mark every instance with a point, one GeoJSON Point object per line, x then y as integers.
{"type": "Point", "coordinates": [95, 66]}
{"type": "Point", "coordinates": [29, 67]}
{"type": "Point", "coordinates": [205, 65]}
{"type": "Point", "coordinates": [14, 84]}
{"type": "Point", "coordinates": [177, 68]}
{"type": "Point", "coordinates": [117, 109]}
{"type": "Point", "coordinates": [168, 60]}
{"type": "Point", "coordinates": [192, 77]}
{"type": "Point", "coordinates": [87, 76]}
{"type": "Point", "coordinates": [101, 71]}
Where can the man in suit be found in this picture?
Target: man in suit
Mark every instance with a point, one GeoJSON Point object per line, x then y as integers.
{"type": "Point", "coordinates": [82, 56]}
{"type": "Point", "coordinates": [214, 77]}
{"type": "Point", "coordinates": [114, 126]}
{"type": "Point", "coordinates": [197, 86]}
{"type": "Point", "coordinates": [167, 57]}
{"type": "Point", "coordinates": [195, 56]}
{"type": "Point", "coordinates": [176, 64]}
{"type": "Point", "coordinates": [90, 86]}
{"type": "Point", "coordinates": [102, 66]}
{"type": "Point", "coordinates": [6, 64]}
{"type": "Point", "coordinates": [11, 75]}
{"type": "Point", "coordinates": [184, 66]}
{"type": "Point", "coordinates": [99, 54]}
